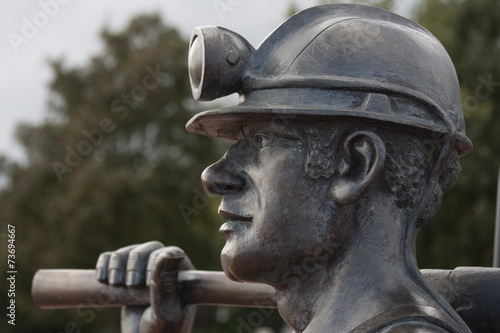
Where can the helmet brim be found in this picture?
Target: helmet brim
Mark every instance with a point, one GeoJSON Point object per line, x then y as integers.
{"type": "Point", "coordinates": [226, 123]}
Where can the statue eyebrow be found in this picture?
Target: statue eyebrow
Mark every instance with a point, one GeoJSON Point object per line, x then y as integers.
{"type": "Point", "coordinates": [279, 131]}
{"type": "Point", "coordinates": [285, 134]}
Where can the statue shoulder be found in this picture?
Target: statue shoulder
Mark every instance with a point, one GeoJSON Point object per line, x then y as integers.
{"type": "Point", "coordinates": [414, 327]}
{"type": "Point", "coordinates": [409, 319]}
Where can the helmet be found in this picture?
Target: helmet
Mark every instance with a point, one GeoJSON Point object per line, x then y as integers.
{"type": "Point", "coordinates": [331, 62]}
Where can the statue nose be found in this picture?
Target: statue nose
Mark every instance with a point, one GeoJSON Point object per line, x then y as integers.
{"type": "Point", "coordinates": [219, 181]}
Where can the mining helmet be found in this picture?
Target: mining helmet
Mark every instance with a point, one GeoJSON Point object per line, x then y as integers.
{"type": "Point", "coordinates": [343, 61]}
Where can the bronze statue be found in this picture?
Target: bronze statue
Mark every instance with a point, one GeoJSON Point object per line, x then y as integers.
{"type": "Point", "coordinates": [348, 133]}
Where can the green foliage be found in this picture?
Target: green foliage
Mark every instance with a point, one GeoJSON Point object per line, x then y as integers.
{"type": "Point", "coordinates": [292, 9]}
{"type": "Point", "coordinates": [130, 186]}
{"type": "Point", "coordinates": [461, 233]}
{"type": "Point", "coordinates": [132, 166]}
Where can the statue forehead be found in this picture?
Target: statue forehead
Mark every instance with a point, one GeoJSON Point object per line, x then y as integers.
{"type": "Point", "coordinates": [295, 129]}
{"type": "Point", "coordinates": [284, 128]}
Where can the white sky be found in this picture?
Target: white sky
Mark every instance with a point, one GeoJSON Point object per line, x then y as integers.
{"type": "Point", "coordinates": [72, 31]}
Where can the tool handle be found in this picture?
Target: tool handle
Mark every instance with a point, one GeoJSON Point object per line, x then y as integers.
{"type": "Point", "coordinates": [72, 288]}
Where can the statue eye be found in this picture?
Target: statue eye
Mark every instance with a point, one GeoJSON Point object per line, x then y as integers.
{"type": "Point", "coordinates": [264, 140]}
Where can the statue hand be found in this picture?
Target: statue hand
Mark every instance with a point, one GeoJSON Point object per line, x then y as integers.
{"type": "Point", "coordinates": [156, 266]}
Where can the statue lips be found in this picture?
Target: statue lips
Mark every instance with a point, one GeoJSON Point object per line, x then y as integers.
{"type": "Point", "coordinates": [234, 222]}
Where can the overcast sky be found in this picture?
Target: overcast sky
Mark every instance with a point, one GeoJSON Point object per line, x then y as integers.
{"type": "Point", "coordinates": [33, 31]}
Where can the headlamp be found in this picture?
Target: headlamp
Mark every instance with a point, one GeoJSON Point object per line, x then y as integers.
{"type": "Point", "coordinates": [217, 61]}
{"type": "Point", "coordinates": [304, 69]}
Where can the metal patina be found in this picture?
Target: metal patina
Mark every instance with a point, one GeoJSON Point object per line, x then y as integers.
{"type": "Point", "coordinates": [348, 132]}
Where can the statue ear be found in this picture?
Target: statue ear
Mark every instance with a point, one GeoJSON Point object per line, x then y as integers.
{"type": "Point", "coordinates": [363, 155]}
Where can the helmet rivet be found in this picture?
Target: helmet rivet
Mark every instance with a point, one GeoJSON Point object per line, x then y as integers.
{"type": "Point", "coordinates": [233, 57]}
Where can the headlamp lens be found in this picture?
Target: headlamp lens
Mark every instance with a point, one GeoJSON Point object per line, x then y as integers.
{"type": "Point", "coordinates": [217, 60]}
{"type": "Point", "coordinates": [195, 62]}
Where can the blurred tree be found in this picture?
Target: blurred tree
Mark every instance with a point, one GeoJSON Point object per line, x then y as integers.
{"type": "Point", "coordinates": [292, 9]}
{"type": "Point", "coordinates": [112, 165]}
{"type": "Point", "coordinates": [461, 233]}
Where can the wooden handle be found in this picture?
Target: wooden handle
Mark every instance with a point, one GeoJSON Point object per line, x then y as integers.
{"type": "Point", "coordinates": [71, 288]}
{"type": "Point", "coordinates": [473, 291]}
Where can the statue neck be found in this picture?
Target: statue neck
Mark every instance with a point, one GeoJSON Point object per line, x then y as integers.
{"type": "Point", "coordinates": [371, 271]}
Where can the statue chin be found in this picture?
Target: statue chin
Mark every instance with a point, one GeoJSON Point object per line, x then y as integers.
{"type": "Point", "coordinates": [227, 263]}
{"type": "Point", "coordinates": [230, 274]}
{"type": "Point", "coordinates": [241, 266]}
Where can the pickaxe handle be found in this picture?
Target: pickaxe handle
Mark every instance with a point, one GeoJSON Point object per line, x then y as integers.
{"type": "Point", "coordinates": [72, 288]}
{"type": "Point", "coordinates": [474, 292]}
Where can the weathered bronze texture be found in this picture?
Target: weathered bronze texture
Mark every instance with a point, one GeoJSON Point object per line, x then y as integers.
{"type": "Point", "coordinates": [496, 248]}
{"type": "Point", "coordinates": [472, 291]}
{"type": "Point", "coordinates": [348, 132]}
{"type": "Point", "coordinates": [71, 288]}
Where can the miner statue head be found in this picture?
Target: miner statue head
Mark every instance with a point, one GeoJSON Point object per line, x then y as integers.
{"type": "Point", "coordinates": [348, 132]}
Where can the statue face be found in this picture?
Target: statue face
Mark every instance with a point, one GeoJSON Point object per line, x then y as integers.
{"type": "Point", "coordinates": [276, 218]}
